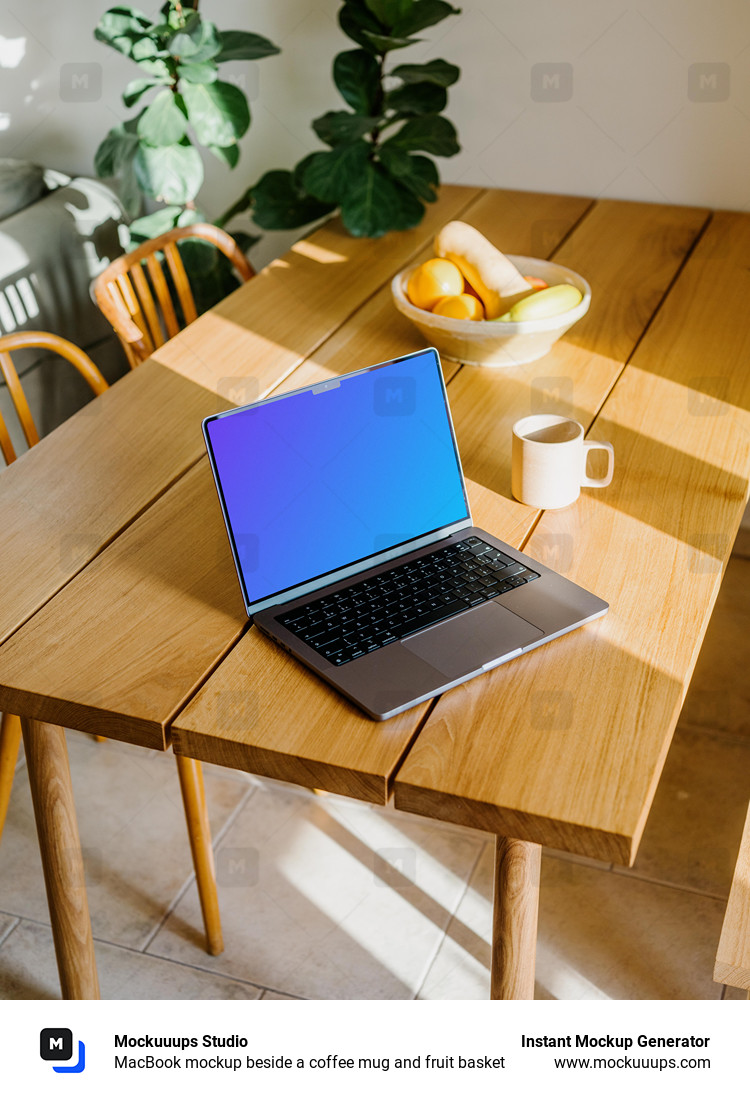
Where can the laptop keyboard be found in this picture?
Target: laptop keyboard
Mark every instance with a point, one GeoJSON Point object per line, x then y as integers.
{"type": "Point", "coordinates": [370, 614]}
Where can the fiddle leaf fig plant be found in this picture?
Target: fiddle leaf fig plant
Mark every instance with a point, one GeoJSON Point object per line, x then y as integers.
{"type": "Point", "coordinates": [375, 170]}
{"type": "Point", "coordinates": [155, 154]}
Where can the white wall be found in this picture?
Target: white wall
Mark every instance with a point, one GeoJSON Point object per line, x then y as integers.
{"type": "Point", "coordinates": [625, 116]}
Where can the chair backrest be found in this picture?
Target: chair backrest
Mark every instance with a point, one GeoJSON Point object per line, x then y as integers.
{"type": "Point", "coordinates": [134, 296]}
{"type": "Point", "coordinates": [57, 344]}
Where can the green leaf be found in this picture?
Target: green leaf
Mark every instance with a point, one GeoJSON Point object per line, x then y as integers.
{"type": "Point", "coordinates": [129, 189]}
{"type": "Point", "coordinates": [245, 241]}
{"type": "Point", "coordinates": [170, 173]}
{"type": "Point", "coordinates": [135, 89]}
{"type": "Point", "coordinates": [356, 74]}
{"type": "Point", "coordinates": [389, 11]}
{"type": "Point", "coordinates": [115, 157]}
{"type": "Point", "coordinates": [162, 32]}
{"type": "Point", "coordinates": [198, 41]}
{"type": "Point", "coordinates": [417, 99]}
{"type": "Point", "coordinates": [188, 216]}
{"type": "Point", "coordinates": [356, 22]}
{"type": "Point", "coordinates": [201, 258]}
{"type": "Point", "coordinates": [197, 72]}
{"type": "Point", "coordinates": [430, 133]}
{"type": "Point", "coordinates": [435, 72]}
{"type": "Point", "coordinates": [229, 154]}
{"type": "Point", "coordinates": [411, 210]}
{"type": "Point", "coordinates": [120, 27]}
{"type": "Point", "coordinates": [374, 204]}
{"type": "Point", "coordinates": [298, 172]}
{"type": "Point", "coordinates": [244, 46]}
{"type": "Point", "coordinates": [218, 112]}
{"type": "Point", "coordinates": [153, 225]}
{"type": "Point", "coordinates": [337, 127]}
{"type": "Point", "coordinates": [118, 145]}
{"type": "Point", "coordinates": [329, 176]}
{"type": "Point", "coordinates": [163, 122]}
{"type": "Point", "coordinates": [212, 276]}
{"type": "Point", "coordinates": [384, 43]}
{"type": "Point", "coordinates": [278, 204]}
{"type": "Point", "coordinates": [158, 68]}
{"type": "Point", "coordinates": [418, 174]}
{"type": "Point", "coordinates": [145, 48]}
{"type": "Point", "coordinates": [423, 13]}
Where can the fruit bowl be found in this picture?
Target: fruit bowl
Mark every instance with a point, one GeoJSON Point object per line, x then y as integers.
{"type": "Point", "coordinates": [496, 343]}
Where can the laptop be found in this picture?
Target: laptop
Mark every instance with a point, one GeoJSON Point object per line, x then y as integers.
{"type": "Point", "coordinates": [352, 536]}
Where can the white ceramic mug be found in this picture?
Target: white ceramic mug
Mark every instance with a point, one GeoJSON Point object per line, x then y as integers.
{"type": "Point", "coordinates": [549, 461]}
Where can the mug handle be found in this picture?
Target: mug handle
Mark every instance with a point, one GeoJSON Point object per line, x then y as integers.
{"type": "Point", "coordinates": [593, 445]}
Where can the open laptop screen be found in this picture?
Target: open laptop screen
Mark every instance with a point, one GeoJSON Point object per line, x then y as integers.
{"type": "Point", "coordinates": [326, 477]}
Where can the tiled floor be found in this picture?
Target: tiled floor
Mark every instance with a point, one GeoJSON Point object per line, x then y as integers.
{"type": "Point", "coordinates": [329, 898]}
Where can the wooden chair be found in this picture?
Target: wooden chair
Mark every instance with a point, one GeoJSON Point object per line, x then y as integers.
{"type": "Point", "coordinates": [733, 955]}
{"type": "Point", "coordinates": [189, 771]}
{"type": "Point", "coordinates": [134, 296]}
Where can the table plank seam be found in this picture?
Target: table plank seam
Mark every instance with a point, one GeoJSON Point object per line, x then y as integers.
{"type": "Point", "coordinates": [656, 312]}
{"type": "Point", "coordinates": [104, 546]}
{"type": "Point", "coordinates": [575, 226]}
{"type": "Point", "coordinates": [192, 691]}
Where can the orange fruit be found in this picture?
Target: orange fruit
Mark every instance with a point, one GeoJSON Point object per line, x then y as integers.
{"type": "Point", "coordinates": [464, 307]}
{"type": "Point", "coordinates": [536, 282]}
{"type": "Point", "coordinates": [433, 280]}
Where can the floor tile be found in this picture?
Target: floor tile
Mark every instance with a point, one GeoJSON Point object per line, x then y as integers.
{"type": "Point", "coordinates": [694, 828]}
{"type": "Point", "coordinates": [329, 898]}
{"type": "Point", "coordinates": [6, 925]}
{"type": "Point", "coordinates": [461, 968]}
{"type": "Point", "coordinates": [28, 972]}
{"type": "Point", "coordinates": [719, 694]}
{"type": "Point", "coordinates": [601, 936]}
{"type": "Point", "coordinates": [133, 836]}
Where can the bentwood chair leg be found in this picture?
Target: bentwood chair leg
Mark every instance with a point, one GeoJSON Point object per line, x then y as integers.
{"type": "Point", "coordinates": [199, 831]}
{"type": "Point", "coordinates": [517, 867]}
{"type": "Point", "coordinates": [10, 739]}
{"type": "Point", "coordinates": [60, 847]}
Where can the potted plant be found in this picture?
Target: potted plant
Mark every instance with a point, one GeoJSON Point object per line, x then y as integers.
{"type": "Point", "coordinates": [375, 171]}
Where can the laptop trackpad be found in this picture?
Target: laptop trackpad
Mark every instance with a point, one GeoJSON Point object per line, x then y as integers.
{"type": "Point", "coordinates": [472, 640]}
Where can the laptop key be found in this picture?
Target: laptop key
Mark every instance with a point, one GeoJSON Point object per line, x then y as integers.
{"type": "Point", "coordinates": [508, 571]}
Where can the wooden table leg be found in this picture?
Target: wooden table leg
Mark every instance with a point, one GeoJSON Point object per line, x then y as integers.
{"type": "Point", "coordinates": [517, 867]}
{"type": "Point", "coordinates": [10, 739]}
{"type": "Point", "coordinates": [60, 846]}
{"type": "Point", "coordinates": [199, 831]}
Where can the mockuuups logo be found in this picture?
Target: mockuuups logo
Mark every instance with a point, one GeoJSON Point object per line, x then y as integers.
{"type": "Point", "coordinates": [56, 1045]}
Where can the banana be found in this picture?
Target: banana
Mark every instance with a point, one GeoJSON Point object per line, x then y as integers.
{"type": "Point", "coordinates": [544, 303]}
{"type": "Point", "coordinates": [497, 281]}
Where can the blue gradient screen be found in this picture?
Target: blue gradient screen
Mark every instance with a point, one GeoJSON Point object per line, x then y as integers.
{"type": "Point", "coordinates": [327, 477]}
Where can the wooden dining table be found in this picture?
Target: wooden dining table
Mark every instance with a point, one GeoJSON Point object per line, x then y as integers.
{"type": "Point", "coordinates": [121, 614]}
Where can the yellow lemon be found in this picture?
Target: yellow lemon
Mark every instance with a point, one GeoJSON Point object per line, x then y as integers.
{"type": "Point", "coordinates": [464, 307]}
{"type": "Point", "coordinates": [433, 280]}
